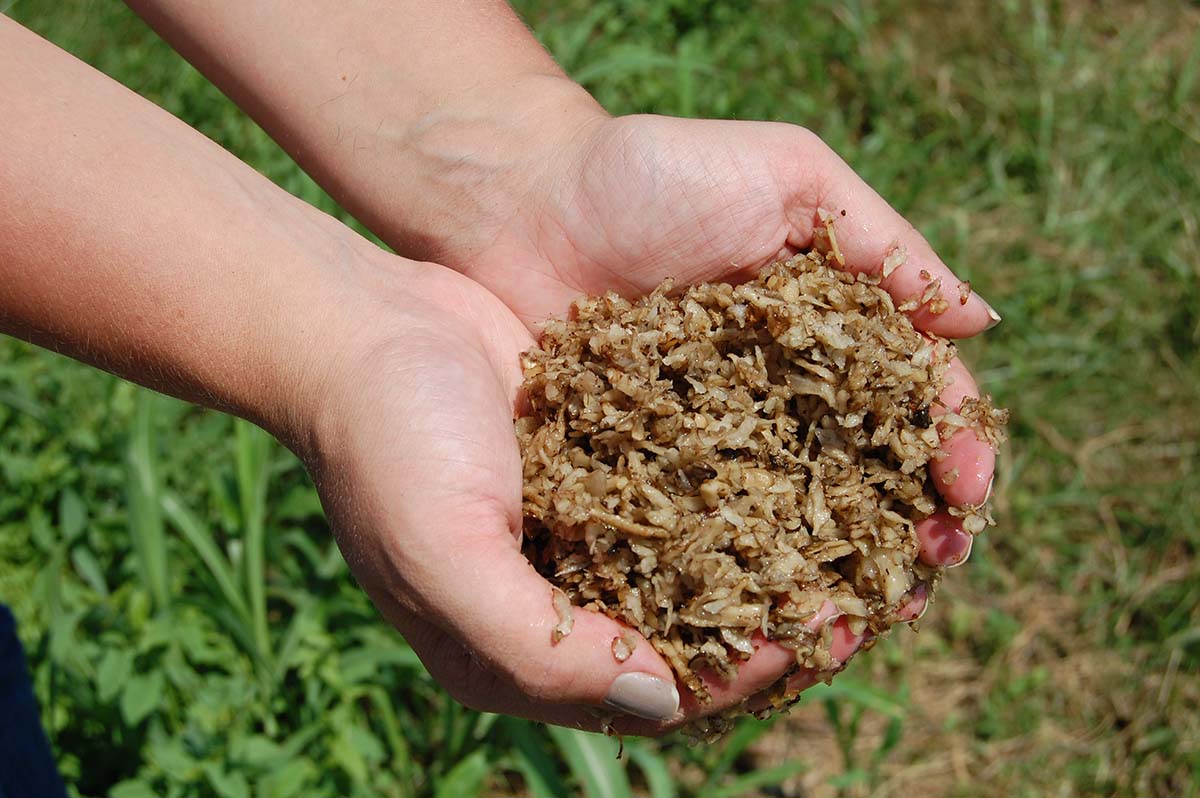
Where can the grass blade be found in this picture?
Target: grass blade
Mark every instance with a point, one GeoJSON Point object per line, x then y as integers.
{"type": "Point", "coordinates": [144, 493]}
{"type": "Point", "coordinates": [743, 736]}
{"type": "Point", "coordinates": [752, 783]}
{"type": "Point", "coordinates": [252, 449]}
{"type": "Point", "coordinates": [466, 778]}
{"type": "Point", "coordinates": [860, 693]}
{"type": "Point", "coordinates": [622, 61]}
{"type": "Point", "coordinates": [653, 767]}
{"type": "Point", "coordinates": [593, 761]}
{"type": "Point", "coordinates": [197, 537]}
{"type": "Point", "coordinates": [402, 763]}
{"type": "Point", "coordinates": [535, 764]}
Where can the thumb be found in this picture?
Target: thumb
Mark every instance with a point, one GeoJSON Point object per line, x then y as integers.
{"type": "Point", "coordinates": [492, 602]}
{"type": "Point", "coordinates": [824, 194]}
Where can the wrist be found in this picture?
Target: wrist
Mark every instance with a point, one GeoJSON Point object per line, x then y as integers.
{"type": "Point", "coordinates": [460, 171]}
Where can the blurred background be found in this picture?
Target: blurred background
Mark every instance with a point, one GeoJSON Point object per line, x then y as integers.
{"type": "Point", "coordinates": [193, 630]}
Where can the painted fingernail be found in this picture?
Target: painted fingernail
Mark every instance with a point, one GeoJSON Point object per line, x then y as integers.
{"type": "Point", "coordinates": [643, 696]}
{"type": "Point", "coordinates": [966, 554]}
{"type": "Point", "coordinates": [992, 314]}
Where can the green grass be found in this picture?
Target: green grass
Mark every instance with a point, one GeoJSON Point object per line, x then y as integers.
{"type": "Point", "coordinates": [193, 631]}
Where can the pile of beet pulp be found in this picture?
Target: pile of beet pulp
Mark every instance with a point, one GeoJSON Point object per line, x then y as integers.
{"type": "Point", "coordinates": [709, 466]}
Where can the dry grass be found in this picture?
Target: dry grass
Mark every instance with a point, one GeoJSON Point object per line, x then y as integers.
{"type": "Point", "coordinates": [1102, 706]}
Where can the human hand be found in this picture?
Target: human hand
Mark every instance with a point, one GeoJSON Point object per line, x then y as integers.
{"type": "Point", "coordinates": [461, 142]}
{"type": "Point", "coordinates": [412, 448]}
{"type": "Point", "coordinates": [134, 243]}
{"type": "Point", "coordinates": [619, 204]}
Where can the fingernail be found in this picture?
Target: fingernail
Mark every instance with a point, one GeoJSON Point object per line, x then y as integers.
{"type": "Point", "coordinates": [918, 597]}
{"type": "Point", "coordinates": [992, 314]}
{"type": "Point", "coordinates": [987, 494]}
{"type": "Point", "coordinates": [827, 613]}
{"type": "Point", "coordinates": [966, 553]}
{"type": "Point", "coordinates": [643, 696]}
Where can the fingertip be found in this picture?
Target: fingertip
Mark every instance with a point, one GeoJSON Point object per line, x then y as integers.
{"type": "Point", "coordinates": [915, 605]}
{"type": "Point", "coordinates": [964, 476]}
{"type": "Point", "coordinates": [959, 317]}
{"type": "Point", "coordinates": [943, 541]}
{"type": "Point", "coordinates": [845, 641]}
{"type": "Point", "coordinates": [827, 612]}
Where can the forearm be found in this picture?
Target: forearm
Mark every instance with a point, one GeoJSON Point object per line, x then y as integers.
{"type": "Point", "coordinates": [131, 242]}
{"type": "Point", "coordinates": [409, 113]}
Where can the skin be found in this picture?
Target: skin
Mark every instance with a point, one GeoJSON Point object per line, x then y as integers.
{"type": "Point", "coordinates": [133, 243]}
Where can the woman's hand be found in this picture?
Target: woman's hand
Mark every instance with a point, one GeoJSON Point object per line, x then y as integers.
{"type": "Point", "coordinates": [131, 242]}
{"type": "Point", "coordinates": [598, 204]}
{"type": "Point", "coordinates": [619, 204]}
{"type": "Point", "coordinates": [410, 440]}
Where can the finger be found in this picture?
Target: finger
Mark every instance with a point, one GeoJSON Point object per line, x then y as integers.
{"type": "Point", "coordinates": [464, 676]}
{"type": "Point", "coordinates": [769, 662]}
{"type": "Point", "coordinates": [845, 645]}
{"type": "Point", "coordinates": [913, 608]}
{"type": "Point", "coordinates": [964, 476]}
{"type": "Point", "coordinates": [490, 600]}
{"type": "Point", "coordinates": [943, 541]}
{"type": "Point", "coordinates": [868, 231]}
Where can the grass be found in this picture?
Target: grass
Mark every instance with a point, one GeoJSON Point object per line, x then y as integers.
{"type": "Point", "coordinates": [193, 631]}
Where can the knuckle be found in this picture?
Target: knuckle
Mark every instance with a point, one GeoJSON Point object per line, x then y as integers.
{"type": "Point", "coordinates": [460, 674]}
{"type": "Point", "coordinates": [551, 680]}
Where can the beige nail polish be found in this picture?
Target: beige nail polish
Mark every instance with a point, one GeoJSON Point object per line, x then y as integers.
{"type": "Point", "coordinates": [992, 314]}
{"type": "Point", "coordinates": [644, 696]}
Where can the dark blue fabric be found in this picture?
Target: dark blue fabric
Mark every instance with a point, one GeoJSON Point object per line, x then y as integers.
{"type": "Point", "coordinates": [27, 768]}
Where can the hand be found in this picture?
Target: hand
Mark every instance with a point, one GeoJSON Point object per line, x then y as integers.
{"type": "Point", "coordinates": [413, 452]}
{"type": "Point", "coordinates": [619, 204]}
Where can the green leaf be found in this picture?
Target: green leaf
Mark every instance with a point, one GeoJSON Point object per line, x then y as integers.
{"type": "Point", "coordinates": [361, 664]}
{"type": "Point", "coordinates": [132, 789]}
{"type": "Point", "coordinates": [290, 781]}
{"type": "Point", "coordinates": [848, 779]}
{"type": "Point", "coordinates": [89, 569]}
{"type": "Point", "coordinates": [535, 764]}
{"type": "Point", "coordinates": [466, 778]}
{"type": "Point", "coordinates": [744, 734]}
{"type": "Point", "coordinates": [626, 60]}
{"type": "Point", "coordinates": [227, 785]}
{"type": "Point", "coordinates": [593, 761]}
{"type": "Point", "coordinates": [142, 695]}
{"type": "Point", "coordinates": [170, 755]}
{"type": "Point", "coordinates": [201, 541]}
{"type": "Point", "coordinates": [257, 751]}
{"type": "Point", "coordinates": [252, 458]}
{"type": "Point", "coordinates": [348, 759]}
{"type": "Point", "coordinates": [72, 514]}
{"type": "Point", "coordinates": [751, 784]}
{"type": "Point", "coordinates": [365, 743]}
{"type": "Point", "coordinates": [143, 489]}
{"type": "Point", "coordinates": [40, 531]}
{"type": "Point", "coordinates": [298, 504]}
{"type": "Point", "coordinates": [653, 767]}
{"type": "Point", "coordinates": [862, 694]}
{"type": "Point", "coordinates": [113, 673]}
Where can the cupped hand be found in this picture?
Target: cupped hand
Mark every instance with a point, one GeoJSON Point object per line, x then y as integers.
{"type": "Point", "coordinates": [622, 203]}
{"type": "Point", "coordinates": [416, 461]}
